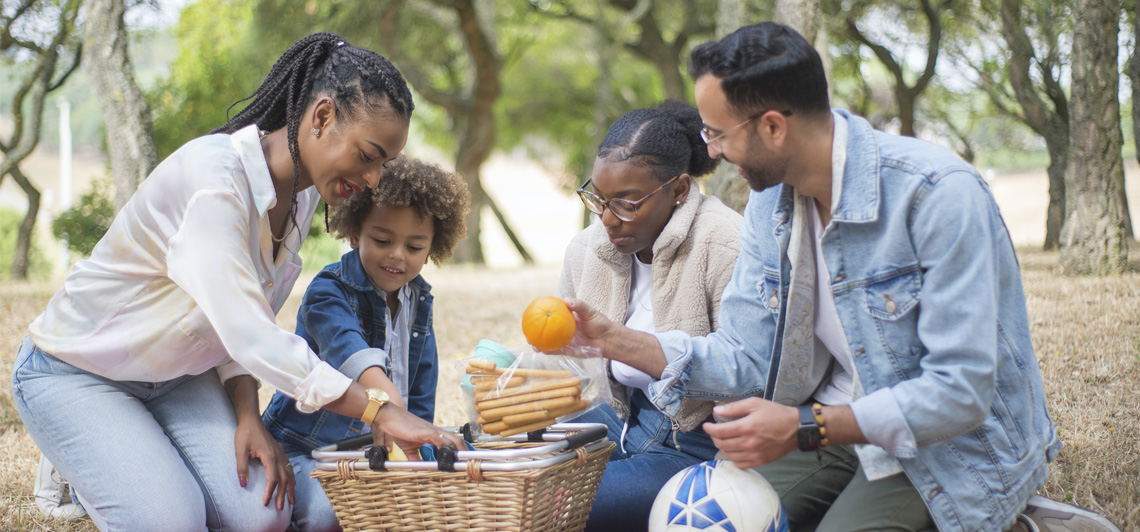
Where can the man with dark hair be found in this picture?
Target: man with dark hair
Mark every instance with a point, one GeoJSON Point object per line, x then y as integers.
{"type": "Point", "coordinates": [875, 322]}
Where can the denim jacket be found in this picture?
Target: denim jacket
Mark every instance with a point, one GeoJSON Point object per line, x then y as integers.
{"type": "Point", "coordinates": [928, 289]}
{"type": "Point", "coordinates": [342, 319]}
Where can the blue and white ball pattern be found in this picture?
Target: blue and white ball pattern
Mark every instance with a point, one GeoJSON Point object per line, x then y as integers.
{"type": "Point", "coordinates": [717, 496]}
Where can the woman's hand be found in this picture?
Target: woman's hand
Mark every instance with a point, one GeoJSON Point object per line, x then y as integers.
{"type": "Point", "coordinates": [252, 440]}
{"type": "Point", "coordinates": [409, 431]}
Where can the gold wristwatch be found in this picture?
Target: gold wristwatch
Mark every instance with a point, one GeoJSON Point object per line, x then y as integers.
{"type": "Point", "coordinates": [376, 399]}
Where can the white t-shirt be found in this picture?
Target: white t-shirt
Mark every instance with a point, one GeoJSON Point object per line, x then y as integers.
{"type": "Point", "coordinates": [185, 280]}
{"type": "Point", "coordinates": [839, 389]}
{"type": "Point", "coordinates": [638, 317]}
{"type": "Point", "coordinates": [396, 334]}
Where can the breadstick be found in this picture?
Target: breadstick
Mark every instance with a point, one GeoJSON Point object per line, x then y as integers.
{"type": "Point", "coordinates": [548, 417]}
{"type": "Point", "coordinates": [582, 404]}
{"type": "Point", "coordinates": [484, 366]}
{"type": "Point", "coordinates": [521, 372]}
{"type": "Point", "coordinates": [527, 397]}
{"type": "Point", "coordinates": [493, 428]}
{"type": "Point", "coordinates": [536, 386]}
{"type": "Point", "coordinates": [496, 414]}
{"type": "Point", "coordinates": [524, 419]}
{"type": "Point", "coordinates": [492, 384]}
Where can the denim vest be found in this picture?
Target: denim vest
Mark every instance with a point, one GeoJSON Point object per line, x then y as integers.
{"type": "Point", "coordinates": [342, 319]}
{"type": "Point", "coordinates": [928, 289]}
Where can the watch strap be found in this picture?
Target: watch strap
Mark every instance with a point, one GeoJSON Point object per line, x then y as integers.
{"type": "Point", "coordinates": [808, 433]}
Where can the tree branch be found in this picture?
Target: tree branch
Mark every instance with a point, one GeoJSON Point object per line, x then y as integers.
{"type": "Point", "coordinates": [389, 17]}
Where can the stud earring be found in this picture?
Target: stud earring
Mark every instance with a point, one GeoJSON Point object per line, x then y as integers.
{"type": "Point", "coordinates": [317, 132]}
{"type": "Point", "coordinates": [677, 203]}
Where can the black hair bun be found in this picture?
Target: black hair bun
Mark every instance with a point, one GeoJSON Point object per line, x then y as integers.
{"type": "Point", "coordinates": [700, 163]}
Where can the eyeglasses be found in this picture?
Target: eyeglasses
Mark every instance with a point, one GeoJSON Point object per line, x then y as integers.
{"type": "Point", "coordinates": [624, 209]}
{"type": "Point", "coordinates": [709, 138]}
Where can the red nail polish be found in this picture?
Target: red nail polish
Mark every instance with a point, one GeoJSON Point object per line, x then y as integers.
{"type": "Point", "coordinates": [242, 480]}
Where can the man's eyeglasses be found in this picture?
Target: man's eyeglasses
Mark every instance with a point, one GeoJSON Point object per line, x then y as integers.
{"type": "Point", "coordinates": [624, 209]}
{"type": "Point", "coordinates": [709, 138]}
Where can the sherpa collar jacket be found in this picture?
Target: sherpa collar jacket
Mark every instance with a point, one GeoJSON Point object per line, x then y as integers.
{"type": "Point", "coordinates": [693, 259]}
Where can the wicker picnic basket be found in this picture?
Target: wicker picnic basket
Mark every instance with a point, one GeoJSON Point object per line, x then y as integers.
{"type": "Point", "coordinates": [542, 482]}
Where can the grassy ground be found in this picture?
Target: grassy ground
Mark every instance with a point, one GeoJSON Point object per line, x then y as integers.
{"type": "Point", "coordinates": [1086, 331]}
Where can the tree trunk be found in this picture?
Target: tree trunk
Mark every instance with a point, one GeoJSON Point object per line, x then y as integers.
{"type": "Point", "coordinates": [1048, 118]}
{"type": "Point", "coordinates": [725, 183]}
{"type": "Point", "coordinates": [125, 112]}
{"type": "Point", "coordinates": [905, 99]}
{"type": "Point", "coordinates": [806, 16]}
{"type": "Point", "coordinates": [24, 235]}
{"type": "Point", "coordinates": [1092, 239]}
{"type": "Point", "coordinates": [27, 105]}
{"type": "Point", "coordinates": [906, 96]}
{"type": "Point", "coordinates": [1055, 213]}
{"type": "Point", "coordinates": [476, 128]}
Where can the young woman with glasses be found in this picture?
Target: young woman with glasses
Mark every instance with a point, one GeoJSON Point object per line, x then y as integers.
{"type": "Point", "coordinates": [657, 261]}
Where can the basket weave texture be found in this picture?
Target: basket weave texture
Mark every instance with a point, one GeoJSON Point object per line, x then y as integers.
{"type": "Point", "coordinates": [551, 499]}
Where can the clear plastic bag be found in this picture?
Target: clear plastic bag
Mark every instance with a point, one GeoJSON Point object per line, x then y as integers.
{"type": "Point", "coordinates": [511, 391]}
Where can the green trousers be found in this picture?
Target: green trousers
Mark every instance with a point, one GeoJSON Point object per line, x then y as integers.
{"type": "Point", "coordinates": [831, 494]}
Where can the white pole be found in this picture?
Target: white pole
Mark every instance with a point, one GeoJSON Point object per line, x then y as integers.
{"type": "Point", "coordinates": [64, 174]}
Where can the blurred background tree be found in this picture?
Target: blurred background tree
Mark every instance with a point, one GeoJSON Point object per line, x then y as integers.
{"type": "Point", "coordinates": [38, 42]}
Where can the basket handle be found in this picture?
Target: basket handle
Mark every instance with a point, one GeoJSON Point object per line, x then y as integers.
{"type": "Point", "coordinates": [354, 442]}
{"type": "Point", "coordinates": [589, 435]}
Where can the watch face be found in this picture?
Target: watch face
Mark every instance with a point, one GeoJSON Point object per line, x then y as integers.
{"type": "Point", "coordinates": [377, 394]}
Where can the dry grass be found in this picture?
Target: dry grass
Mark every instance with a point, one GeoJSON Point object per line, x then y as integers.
{"type": "Point", "coordinates": [1086, 330]}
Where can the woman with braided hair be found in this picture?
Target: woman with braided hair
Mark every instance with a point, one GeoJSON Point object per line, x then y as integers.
{"type": "Point", "coordinates": [658, 260]}
{"type": "Point", "coordinates": [139, 380]}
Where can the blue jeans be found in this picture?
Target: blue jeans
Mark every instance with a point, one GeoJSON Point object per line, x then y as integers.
{"type": "Point", "coordinates": [142, 456]}
{"type": "Point", "coordinates": [313, 512]}
{"type": "Point", "coordinates": [653, 453]}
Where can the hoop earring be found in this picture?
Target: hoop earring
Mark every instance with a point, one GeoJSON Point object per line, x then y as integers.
{"type": "Point", "coordinates": [317, 132]}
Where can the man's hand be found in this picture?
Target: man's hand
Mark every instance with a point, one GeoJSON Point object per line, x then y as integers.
{"type": "Point", "coordinates": [763, 433]}
{"type": "Point", "coordinates": [592, 326]}
{"type": "Point", "coordinates": [251, 440]}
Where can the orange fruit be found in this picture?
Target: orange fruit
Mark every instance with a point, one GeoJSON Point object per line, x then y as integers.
{"type": "Point", "coordinates": [548, 324]}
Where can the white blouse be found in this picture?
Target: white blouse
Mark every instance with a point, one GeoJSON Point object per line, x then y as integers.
{"type": "Point", "coordinates": [185, 280]}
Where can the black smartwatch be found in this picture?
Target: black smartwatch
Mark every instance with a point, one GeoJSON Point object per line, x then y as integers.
{"type": "Point", "coordinates": [808, 435]}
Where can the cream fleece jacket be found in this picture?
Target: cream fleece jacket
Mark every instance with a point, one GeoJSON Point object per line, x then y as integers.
{"type": "Point", "coordinates": [693, 259]}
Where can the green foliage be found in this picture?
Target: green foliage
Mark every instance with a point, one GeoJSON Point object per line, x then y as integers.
{"type": "Point", "coordinates": [219, 62]}
{"type": "Point", "coordinates": [38, 267]}
{"type": "Point", "coordinates": [320, 251]}
{"type": "Point", "coordinates": [85, 223]}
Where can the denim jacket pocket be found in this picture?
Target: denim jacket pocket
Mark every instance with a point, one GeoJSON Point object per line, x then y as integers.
{"type": "Point", "coordinates": [893, 302]}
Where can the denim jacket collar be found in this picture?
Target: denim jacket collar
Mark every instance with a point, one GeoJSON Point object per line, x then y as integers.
{"type": "Point", "coordinates": [859, 194]}
{"type": "Point", "coordinates": [352, 273]}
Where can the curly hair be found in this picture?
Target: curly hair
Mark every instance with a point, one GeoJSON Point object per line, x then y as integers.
{"type": "Point", "coordinates": [435, 193]}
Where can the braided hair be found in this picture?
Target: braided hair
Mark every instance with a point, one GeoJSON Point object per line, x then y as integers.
{"type": "Point", "coordinates": [666, 139]}
{"type": "Point", "coordinates": [360, 82]}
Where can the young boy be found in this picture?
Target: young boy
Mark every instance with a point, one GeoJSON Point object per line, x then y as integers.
{"type": "Point", "coordinates": [369, 315]}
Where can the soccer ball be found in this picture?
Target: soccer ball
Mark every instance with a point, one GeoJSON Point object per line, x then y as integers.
{"type": "Point", "coordinates": [716, 496]}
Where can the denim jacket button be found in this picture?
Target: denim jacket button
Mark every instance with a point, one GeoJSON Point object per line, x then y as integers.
{"type": "Point", "coordinates": [774, 302]}
{"type": "Point", "coordinates": [891, 307]}
{"type": "Point", "coordinates": [415, 335]}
